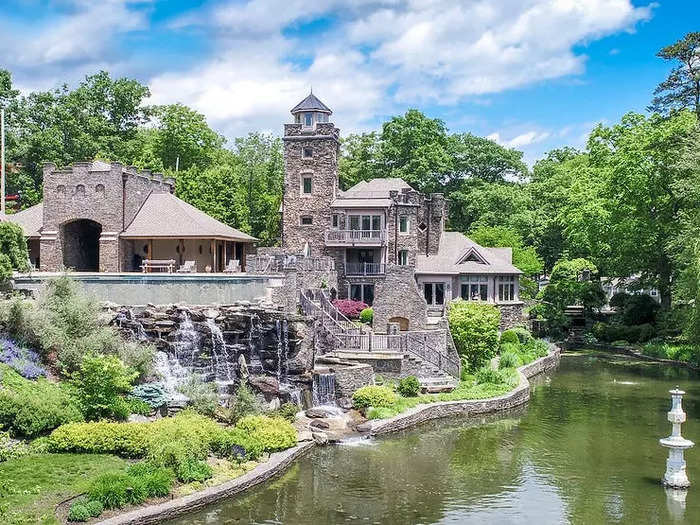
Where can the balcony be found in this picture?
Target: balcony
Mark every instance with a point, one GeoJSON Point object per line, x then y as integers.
{"type": "Point", "coordinates": [365, 269]}
{"type": "Point", "coordinates": [355, 237]}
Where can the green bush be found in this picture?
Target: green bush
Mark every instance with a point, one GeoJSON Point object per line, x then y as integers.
{"type": "Point", "coordinates": [11, 449]}
{"type": "Point", "coordinates": [137, 406]}
{"type": "Point", "coordinates": [509, 359]}
{"type": "Point", "coordinates": [274, 433]}
{"type": "Point", "coordinates": [524, 335]}
{"type": "Point", "coordinates": [243, 403]}
{"type": "Point", "coordinates": [31, 408]}
{"type": "Point", "coordinates": [373, 396]}
{"type": "Point", "coordinates": [640, 309]}
{"type": "Point", "coordinates": [158, 481]}
{"type": "Point", "coordinates": [83, 509]}
{"type": "Point", "coordinates": [409, 386]}
{"type": "Point", "coordinates": [193, 470]}
{"type": "Point", "coordinates": [287, 411]}
{"type": "Point", "coordinates": [237, 445]}
{"type": "Point", "coordinates": [678, 352]}
{"type": "Point", "coordinates": [616, 332]}
{"type": "Point", "coordinates": [100, 383]}
{"type": "Point", "coordinates": [152, 393]}
{"type": "Point", "coordinates": [474, 327]}
{"type": "Point", "coordinates": [117, 489]}
{"type": "Point", "coordinates": [203, 396]}
{"type": "Point", "coordinates": [367, 315]}
{"type": "Point", "coordinates": [509, 336]}
{"type": "Point", "coordinates": [487, 375]}
{"type": "Point", "coordinates": [14, 246]}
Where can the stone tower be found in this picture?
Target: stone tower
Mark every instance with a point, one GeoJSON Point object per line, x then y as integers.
{"type": "Point", "coordinates": [311, 148]}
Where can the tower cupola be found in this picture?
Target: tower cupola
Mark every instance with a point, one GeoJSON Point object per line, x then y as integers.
{"type": "Point", "coordinates": [311, 111]}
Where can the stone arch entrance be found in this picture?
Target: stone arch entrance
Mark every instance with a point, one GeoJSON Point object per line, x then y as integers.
{"type": "Point", "coordinates": [80, 240]}
{"type": "Point", "coordinates": [401, 321]}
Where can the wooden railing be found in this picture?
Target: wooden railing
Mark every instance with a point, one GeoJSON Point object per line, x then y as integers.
{"type": "Point", "coordinates": [355, 237]}
{"type": "Point", "coordinates": [347, 336]}
{"type": "Point", "coordinates": [279, 263]}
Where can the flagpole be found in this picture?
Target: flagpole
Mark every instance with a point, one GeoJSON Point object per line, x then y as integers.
{"type": "Point", "coordinates": [2, 161]}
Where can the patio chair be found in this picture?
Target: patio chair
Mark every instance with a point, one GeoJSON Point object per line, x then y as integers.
{"type": "Point", "coordinates": [233, 266]}
{"type": "Point", "coordinates": [188, 267]}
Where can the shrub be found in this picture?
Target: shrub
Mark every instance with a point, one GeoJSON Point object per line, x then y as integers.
{"type": "Point", "coordinates": [640, 309]}
{"type": "Point", "coordinates": [158, 481]}
{"type": "Point", "coordinates": [367, 316]}
{"type": "Point", "coordinates": [373, 396]}
{"type": "Point", "coordinates": [237, 445]}
{"type": "Point", "coordinates": [524, 335]}
{"type": "Point", "coordinates": [152, 393]}
{"type": "Point", "coordinates": [25, 362]}
{"type": "Point", "coordinates": [31, 408]}
{"type": "Point", "coordinates": [619, 300]}
{"type": "Point", "coordinates": [287, 411]}
{"type": "Point", "coordinates": [409, 386]}
{"type": "Point", "coordinates": [117, 489]}
{"type": "Point", "coordinates": [474, 327]}
{"type": "Point", "coordinates": [349, 308]}
{"type": "Point", "coordinates": [100, 382]}
{"type": "Point", "coordinates": [136, 406]}
{"type": "Point", "coordinates": [504, 376]}
{"type": "Point", "coordinates": [509, 336]}
{"type": "Point", "coordinates": [509, 359]}
{"type": "Point", "coordinates": [83, 509]}
{"type": "Point", "coordinates": [14, 246]}
{"type": "Point", "coordinates": [617, 332]}
{"type": "Point", "coordinates": [243, 403]}
{"type": "Point", "coordinates": [203, 396]}
{"type": "Point", "coordinates": [274, 433]}
{"type": "Point", "coordinates": [11, 449]}
{"type": "Point", "coordinates": [193, 470]}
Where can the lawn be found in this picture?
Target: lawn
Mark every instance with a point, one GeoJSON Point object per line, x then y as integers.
{"type": "Point", "coordinates": [32, 486]}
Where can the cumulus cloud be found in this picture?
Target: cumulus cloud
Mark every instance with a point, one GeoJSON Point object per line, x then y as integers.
{"type": "Point", "coordinates": [521, 140]}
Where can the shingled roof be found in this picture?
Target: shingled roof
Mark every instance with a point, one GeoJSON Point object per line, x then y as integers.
{"type": "Point", "coordinates": [30, 219]}
{"type": "Point", "coordinates": [311, 103]}
{"type": "Point", "coordinates": [458, 254]}
{"type": "Point", "coordinates": [375, 188]}
{"type": "Point", "coordinates": [165, 216]}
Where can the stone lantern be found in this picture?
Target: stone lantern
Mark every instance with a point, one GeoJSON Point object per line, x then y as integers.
{"type": "Point", "coordinates": [676, 476]}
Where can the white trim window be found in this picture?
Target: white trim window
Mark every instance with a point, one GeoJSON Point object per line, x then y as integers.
{"type": "Point", "coordinates": [474, 288]}
{"type": "Point", "coordinates": [306, 220]}
{"type": "Point", "coordinates": [307, 183]}
{"type": "Point", "coordinates": [434, 293]}
{"type": "Point", "coordinates": [361, 292]}
{"type": "Point", "coordinates": [404, 225]}
{"type": "Point", "coordinates": [308, 120]}
{"type": "Point", "coordinates": [506, 288]}
{"type": "Point", "coordinates": [403, 258]}
{"type": "Point", "coordinates": [336, 221]}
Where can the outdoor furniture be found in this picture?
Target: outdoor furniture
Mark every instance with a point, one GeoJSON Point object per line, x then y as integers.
{"type": "Point", "coordinates": [233, 266]}
{"type": "Point", "coordinates": [158, 264]}
{"type": "Point", "coordinates": [188, 267]}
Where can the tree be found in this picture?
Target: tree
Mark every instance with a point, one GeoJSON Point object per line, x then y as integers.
{"type": "Point", "coordinates": [13, 247]}
{"type": "Point", "coordinates": [474, 327]}
{"type": "Point", "coordinates": [359, 160]}
{"type": "Point", "coordinates": [184, 133]}
{"type": "Point", "coordinates": [524, 257]}
{"type": "Point", "coordinates": [479, 158]}
{"type": "Point", "coordinates": [681, 89]}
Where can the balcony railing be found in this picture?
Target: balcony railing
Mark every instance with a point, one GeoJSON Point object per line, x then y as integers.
{"type": "Point", "coordinates": [356, 237]}
{"type": "Point", "coordinates": [365, 268]}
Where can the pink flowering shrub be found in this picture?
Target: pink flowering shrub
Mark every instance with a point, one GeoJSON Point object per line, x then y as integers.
{"type": "Point", "coordinates": [349, 308]}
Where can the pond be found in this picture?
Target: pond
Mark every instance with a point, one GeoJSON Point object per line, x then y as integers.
{"type": "Point", "coordinates": [584, 450]}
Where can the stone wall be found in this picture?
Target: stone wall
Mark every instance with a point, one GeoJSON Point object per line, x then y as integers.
{"type": "Point", "coordinates": [350, 378]}
{"type": "Point", "coordinates": [323, 169]}
{"type": "Point", "coordinates": [511, 315]}
{"type": "Point", "coordinates": [397, 295]}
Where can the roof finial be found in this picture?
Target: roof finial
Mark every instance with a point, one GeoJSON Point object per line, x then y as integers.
{"type": "Point", "coordinates": [312, 89]}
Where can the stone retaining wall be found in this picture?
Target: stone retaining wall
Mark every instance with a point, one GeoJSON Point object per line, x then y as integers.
{"type": "Point", "coordinates": [350, 378]}
{"type": "Point", "coordinates": [277, 463]}
{"type": "Point", "coordinates": [516, 397]}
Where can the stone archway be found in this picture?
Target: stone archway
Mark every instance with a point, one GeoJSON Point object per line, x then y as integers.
{"type": "Point", "coordinates": [401, 321]}
{"type": "Point", "coordinates": [80, 241]}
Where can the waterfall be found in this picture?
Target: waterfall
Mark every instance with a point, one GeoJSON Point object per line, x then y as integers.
{"type": "Point", "coordinates": [187, 339]}
{"type": "Point", "coordinates": [285, 346]}
{"type": "Point", "coordinates": [171, 373]}
{"type": "Point", "coordinates": [218, 348]}
{"type": "Point", "coordinates": [254, 341]}
{"type": "Point", "coordinates": [324, 389]}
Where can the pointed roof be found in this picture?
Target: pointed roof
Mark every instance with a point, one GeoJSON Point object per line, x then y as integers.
{"type": "Point", "coordinates": [30, 219]}
{"type": "Point", "coordinates": [311, 103]}
{"type": "Point", "coordinates": [163, 215]}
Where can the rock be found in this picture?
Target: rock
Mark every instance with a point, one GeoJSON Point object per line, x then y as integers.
{"type": "Point", "coordinates": [304, 435]}
{"type": "Point", "coordinates": [274, 404]}
{"type": "Point", "coordinates": [137, 418]}
{"type": "Point", "coordinates": [243, 367]}
{"type": "Point", "coordinates": [315, 413]}
{"type": "Point", "coordinates": [211, 313]}
{"type": "Point", "coordinates": [320, 438]}
{"type": "Point", "coordinates": [165, 324]}
{"type": "Point", "coordinates": [318, 423]}
{"type": "Point", "coordinates": [364, 427]}
{"type": "Point", "coordinates": [266, 384]}
{"type": "Point", "coordinates": [345, 403]}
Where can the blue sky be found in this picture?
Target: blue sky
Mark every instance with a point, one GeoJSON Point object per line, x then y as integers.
{"type": "Point", "coordinates": [532, 74]}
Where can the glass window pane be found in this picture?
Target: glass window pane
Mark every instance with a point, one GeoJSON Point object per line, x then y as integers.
{"type": "Point", "coordinates": [403, 224]}
{"type": "Point", "coordinates": [428, 292]}
{"type": "Point", "coordinates": [356, 292]}
{"type": "Point", "coordinates": [483, 292]}
{"type": "Point", "coordinates": [354, 222]}
{"type": "Point", "coordinates": [464, 292]}
{"type": "Point", "coordinates": [308, 119]}
{"type": "Point", "coordinates": [368, 290]}
{"type": "Point", "coordinates": [307, 184]}
{"type": "Point", "coordinates": [439, 293]}
{"type": "Point", "coordinates": [365, 222]}
{"type": "Point", "coordinates": [376, 222]}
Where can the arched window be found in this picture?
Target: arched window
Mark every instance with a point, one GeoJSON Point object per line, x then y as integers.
{"type": "Point", "coordinates": [61, 189]}
{"type": "Point", "coordinates": [100, 188]}
{"type": "Point", "coordinates": [80, 189]}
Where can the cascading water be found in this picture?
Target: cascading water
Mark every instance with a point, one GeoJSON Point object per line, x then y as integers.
{"type": "Point", "coordinates": [187, 339]}
{"type": "Point", "coordinates": [254, 342]}
{"type": "Point", "coordinates": [324, 389]}
{"type": "Point", "coordinates": [172, 374]}
{"type": "Point", "coordinates": [218, 348]}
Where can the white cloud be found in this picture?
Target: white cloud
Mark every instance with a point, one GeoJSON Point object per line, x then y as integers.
{"type": "Point", "coordinates": [521, 140]}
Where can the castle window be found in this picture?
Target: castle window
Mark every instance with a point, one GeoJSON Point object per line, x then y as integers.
{"type": "Point", "coordinates": [403, 224]}
{"type": "Point", "coordinates": [403, 258]}
{"type": "Point", "coordinates": [307, 153]}
{"type": "Point", "coordinates": [61, 189]}
{"type": "Point", "coordinates": [80, 189]}
{"type": "Point", "coordinates": [306, 220]}
{"type": "Point", "coordinates": [422, 227]}
{"type": "Point", "coordinates": [100, 188]}
{"type": "Point", "coordinates": [306, 184]}
{"type": "Point", "coordinates": [335, 220]}
{"type": "Point", "coordinates": [308, 119]}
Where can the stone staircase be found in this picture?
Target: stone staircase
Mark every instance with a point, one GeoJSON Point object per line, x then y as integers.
{"type": "Point", "coordinates": [430, 377]}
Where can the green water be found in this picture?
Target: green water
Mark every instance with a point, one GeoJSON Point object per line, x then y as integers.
{"type": "Point", "coordinates": [585, 450]}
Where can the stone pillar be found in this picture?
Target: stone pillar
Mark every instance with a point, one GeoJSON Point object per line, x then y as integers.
{"type": "Point", "coordinates": [109, 252]}
{"type": "Point", "coordinates": [50, 252]}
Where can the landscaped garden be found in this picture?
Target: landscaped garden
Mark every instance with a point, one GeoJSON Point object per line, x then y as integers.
{"type": "Point", "coordinates": [68, 386]}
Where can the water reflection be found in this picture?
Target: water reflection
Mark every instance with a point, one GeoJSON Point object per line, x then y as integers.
{"type": "Point", "coordinates": [585, 450]}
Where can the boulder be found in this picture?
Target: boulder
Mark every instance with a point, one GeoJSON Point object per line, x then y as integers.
{"type": "Point", "coordinates": [321, 438]}
{"type": "Point", "coordinates": [364, 427]}
{"type": "Point", "coordinates": [269, 386]}
{"type": "Point", "coordinates": [345, 403]}
{"type": "Point", "coordinates": [319, 423]}
{"type": "Point", "coordinates": [304, 435]}
{"type": "Point", "coordinates": [315, 413]}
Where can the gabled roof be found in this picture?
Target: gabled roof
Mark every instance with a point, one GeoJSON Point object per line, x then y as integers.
{"type": "Point", "coordinates": [31, 220]}
{"type": "Point", "coordinates": [453, 258]}
{"type": "Point", "coordinates": [311, 103]}
{"type": "Point", "coordinates": [376, 188]}
{"type": "Point", "coordinates": [165, 216]}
